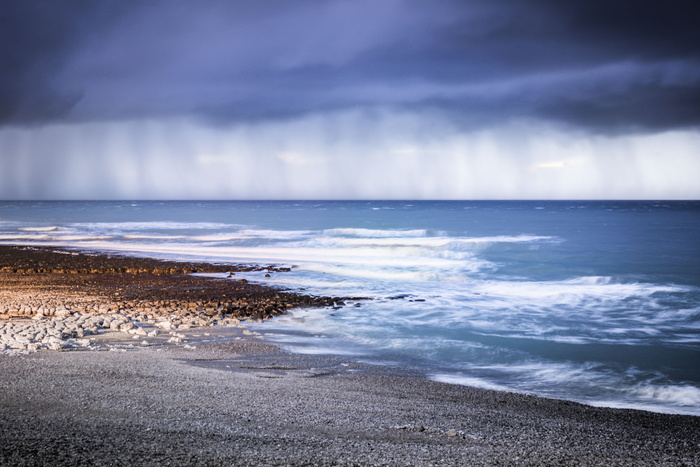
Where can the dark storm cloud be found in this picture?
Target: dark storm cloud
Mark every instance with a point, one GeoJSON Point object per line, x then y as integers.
{"type": "Point", "coordinates": [36, 38]}
{"type": "Point", "coordinates": [606, 66]}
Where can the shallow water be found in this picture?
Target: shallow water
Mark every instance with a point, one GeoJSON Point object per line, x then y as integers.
{"type": "Point", "coordinates": [597, 302]}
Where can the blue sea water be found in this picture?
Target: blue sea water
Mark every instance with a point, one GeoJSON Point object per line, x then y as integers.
{"type": "Point", "coordinates": [592, 301]}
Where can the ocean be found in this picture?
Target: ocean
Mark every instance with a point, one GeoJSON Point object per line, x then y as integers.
{"type": "Point", "coordinates": [591, 301]}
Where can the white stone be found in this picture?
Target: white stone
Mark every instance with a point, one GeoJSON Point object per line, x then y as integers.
{"type": "Point", "coordinates": [17, 345]}
{"type": "Point", "coordinates": [20, 339]}
{"type": "Point", "coordinates": [52, 343]}
{"type": "Point", "coordinates": [138, 331]}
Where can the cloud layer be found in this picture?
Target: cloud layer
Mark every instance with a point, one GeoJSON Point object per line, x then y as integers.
{"type": "Point", "coordinates": [344, 99]}
{"type": "Point", "coordinates": [603, 66]}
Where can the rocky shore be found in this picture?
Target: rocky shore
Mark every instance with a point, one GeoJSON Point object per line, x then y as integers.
{"type": "Point", "coordinates": [58, 299]}
{"type": "Point", "coordinates": [158, 400]}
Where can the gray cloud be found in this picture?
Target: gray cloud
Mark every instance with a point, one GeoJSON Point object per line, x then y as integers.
{"type": "Point", "coordinates": [36, 40]}
{"type": "Point", "coordinates": [603, 66]}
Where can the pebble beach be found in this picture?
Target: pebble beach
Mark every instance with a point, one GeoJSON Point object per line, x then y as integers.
{"type": "Point", "coordinates": [111, 360]}
{"type": "Point", "coordinates": [55, 299]}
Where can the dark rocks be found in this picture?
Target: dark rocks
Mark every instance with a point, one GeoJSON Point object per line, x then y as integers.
{"type": "Point", "coordinates": [136, 287]}
{"type": "Point", "coordinates": [399, 297]}
{"type": "Point", "coordinates": [44, 260]}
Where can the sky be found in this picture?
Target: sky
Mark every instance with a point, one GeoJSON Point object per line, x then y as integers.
{"type": "Point", "coordinates": [349, 99]}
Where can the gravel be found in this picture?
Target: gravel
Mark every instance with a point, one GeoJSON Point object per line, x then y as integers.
{"type": "Point", "coordinates": [247, 403]}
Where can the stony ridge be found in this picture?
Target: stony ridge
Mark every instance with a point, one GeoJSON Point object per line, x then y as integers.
{"type": "Point", "coordinates": [95, 290]}
{"type": "Point", "coordinates": [40, 260]}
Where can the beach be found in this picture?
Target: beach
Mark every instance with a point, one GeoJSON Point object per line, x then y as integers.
{"type": "Point", "coordinates": [180, 380]}
{"type": "Point", "coordinates": [60, 298]}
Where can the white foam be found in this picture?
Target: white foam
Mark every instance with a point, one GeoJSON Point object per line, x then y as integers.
{"type": "Point", "coordinates": [318, 257]}
{"type": "Point", "coordinates": [555, 379]}
{"type": "Point", "coordinates": [571, 290]}
{"type": "Point", "coordinates": [419, 238]}
{"type": "Point", "coordinates": [153, 225]}
{"type": "Point", "coordinates": [318, 350]}
{"type": "Point", "coordinates": [683, 395]}
{"type": "Point", "coordinates": [438, 247]}
{"type": "Point", "coordinates": [247, 234]}
{"type": "Point", "coordinates": [217, 238]}
{"type": "Point", "coordinates": [55, 239]}
{"type": "Point", "coordinates": [80, 238]}
{"type": "Point", "coordinates": [276, 234]}
{"type": "Point", "coordinates": [385, 274]}
{"type": "Point", "coordinates": [342, 242]}
{"type": "Point", "coordinates": [468, 381]}
{"type": "Point", "coordinates": [311, 283]}
{"type": "Point", "coordinates": [153, 237]}
{"type": "Point", "coordinates": [636, 405]}
{"type": "Point", "coordinates": [38, 229]}
{"type": "Point", "coordinates": [371, 233]}
{"type": "Point", "coordinates": [511, 239]}
{"type": "Point", "coordinates": [19, 237]}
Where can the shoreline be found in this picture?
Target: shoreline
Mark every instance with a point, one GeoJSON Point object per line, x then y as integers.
{"type": "Point", "coordinates": [203, 401]}
{"type": "Point", "coordinates": [55, 299]}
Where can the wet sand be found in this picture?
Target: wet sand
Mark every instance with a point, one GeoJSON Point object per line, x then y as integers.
{"type": "Point", "coordinates": [204, 401]}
